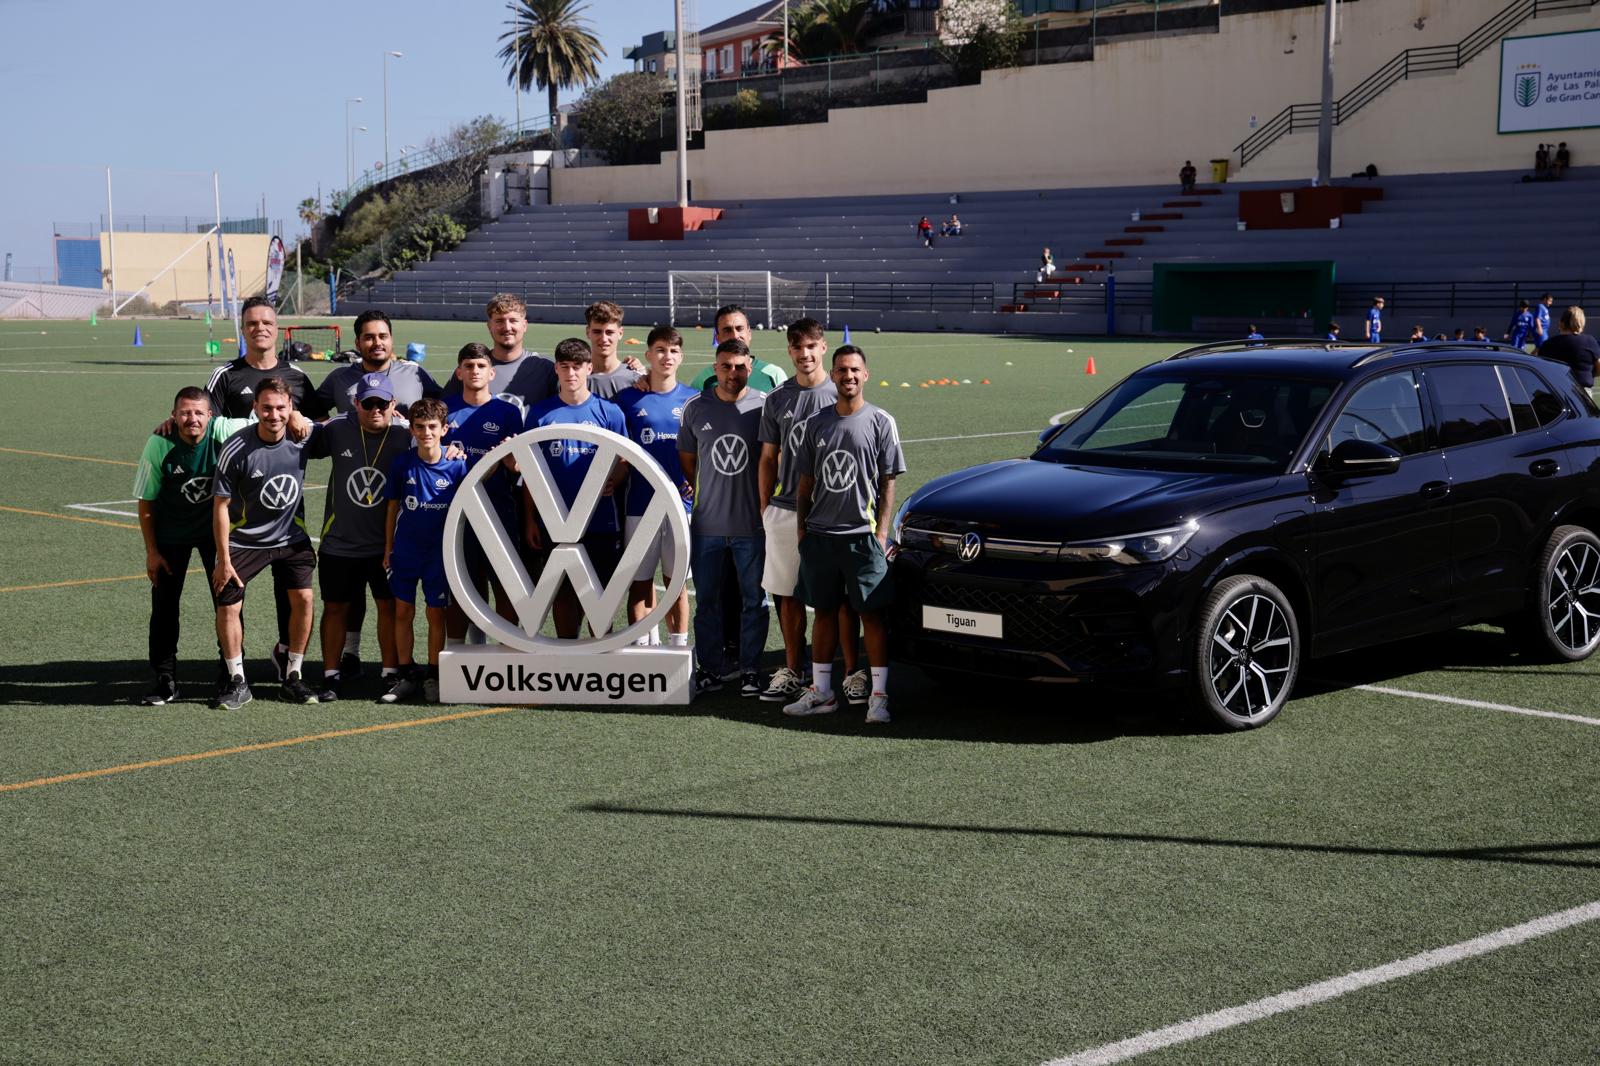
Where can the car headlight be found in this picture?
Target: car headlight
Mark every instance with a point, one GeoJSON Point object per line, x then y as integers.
{"type": "Point", "coordinates": [1156, 546]}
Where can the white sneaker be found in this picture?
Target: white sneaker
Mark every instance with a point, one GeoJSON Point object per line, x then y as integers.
{"type": "Point", "coordinates": [878, 709]}
{"type": "Point", "coordinates": [857, 687]}
{"type": "Point", "coordinates": [812, 702]}
{"type": "Point", "coordinates": [785, 685]}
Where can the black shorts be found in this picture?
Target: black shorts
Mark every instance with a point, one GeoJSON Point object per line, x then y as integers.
{"type": "Point", "coordinates": [345, 579]}
{"type": "Point", "coordinates": [835, 567]}
{"type": "Point", "coordinates": [291, 566]}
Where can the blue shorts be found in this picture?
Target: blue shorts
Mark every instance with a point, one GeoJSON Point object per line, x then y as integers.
{"type": "Point", "coordinates": [404, 575]}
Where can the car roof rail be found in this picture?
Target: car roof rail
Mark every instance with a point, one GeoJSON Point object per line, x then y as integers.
{"type": "Point", "coordinates": [1390, 350]}
{"type": "Point", "coordinates": [1266, 343]}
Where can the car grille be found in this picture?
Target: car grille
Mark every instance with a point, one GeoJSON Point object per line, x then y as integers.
{"type": "Point", "coordinates": [1087, 634]}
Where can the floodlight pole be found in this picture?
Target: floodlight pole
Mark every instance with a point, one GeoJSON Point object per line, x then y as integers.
{"type": "Point", "coordinates": [785, 65]}
{"type": "Point", "coordinates": [1325, 123]}
{"type": "Point", "coordinates": [349, 150]}
{"type": "Point", "coordinates": [111, 243]}
{"type": "Point", "coordinates": [682, 104]}
{"type": "Point", "coordinates": [386, 57]}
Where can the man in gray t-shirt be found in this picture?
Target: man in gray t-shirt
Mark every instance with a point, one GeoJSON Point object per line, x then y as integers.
{"type": "Point", "coordinates": [362, 445]}
{"type": "Point", "coordinates": [718, 447]}
{"type": "Point", "coordinates": [848, 460]}
{"type": "Point", "coordinates": [375, 341]}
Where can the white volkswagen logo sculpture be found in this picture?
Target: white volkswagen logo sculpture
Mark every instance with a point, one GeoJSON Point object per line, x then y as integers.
{"type": "Point", "coordinates": [528, 666]}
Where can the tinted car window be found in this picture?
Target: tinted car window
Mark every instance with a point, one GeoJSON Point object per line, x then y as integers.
{"type": "Point", "coordinates": [1470, 404]}
{"type": "Point", "coordinates": [1201, 422]}
{"type": "Point", "coordinates": [1547, 405]}
{"type": "Point", "coordinates": [1387, 411]}
{"type": "Point", "coordinates": [1522, 416]}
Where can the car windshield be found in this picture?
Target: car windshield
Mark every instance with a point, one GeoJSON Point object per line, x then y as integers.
{"type": "Point", "coordinates": [1223, 423]}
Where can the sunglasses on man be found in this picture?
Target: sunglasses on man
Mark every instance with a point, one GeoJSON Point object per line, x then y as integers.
{"type": "Point", "coordinates": [374, 403]}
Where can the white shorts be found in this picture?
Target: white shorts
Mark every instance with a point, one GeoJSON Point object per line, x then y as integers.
{"type": "Point", "coordinates": [781, 572]}
{"type": "Point", "coordinates": [658, 553]}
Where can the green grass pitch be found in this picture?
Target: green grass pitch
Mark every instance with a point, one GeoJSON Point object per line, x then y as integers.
{"type": "Point", "coordinates": [1001, 876]}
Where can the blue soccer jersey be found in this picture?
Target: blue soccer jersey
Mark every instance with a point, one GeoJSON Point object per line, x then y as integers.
{"type": "Point", "coordinates": [424, 491]}
{"type": "Point", "coordinates": [1542, 314]}
{"type": "Point", "coordinates": [569, 460]}
{"type": "Point", "coordinates": [1521, 326]}
{"type": "Point", "coordinates": [1375, 325]}
{"type": "Point", "coordinates": [653, 421]}
{"type": "Point", "coordinates": [478, 430]}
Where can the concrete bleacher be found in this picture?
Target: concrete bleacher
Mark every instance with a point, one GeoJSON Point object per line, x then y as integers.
{"type": "Point", "coordinates": [1435, 228]}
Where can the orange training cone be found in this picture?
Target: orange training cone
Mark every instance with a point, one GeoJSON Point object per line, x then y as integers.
{"type": "Point", "coordinates": [1089, 369]}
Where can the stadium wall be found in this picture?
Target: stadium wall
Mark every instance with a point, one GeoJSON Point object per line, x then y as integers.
{"type": "Point", "coordinates": [141, 255]}
{"type": "Point", "coordinates": [1132, 116]}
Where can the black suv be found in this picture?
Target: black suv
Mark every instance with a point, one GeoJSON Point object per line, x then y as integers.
{"type": "Point", "coordinates": [1218, 516]}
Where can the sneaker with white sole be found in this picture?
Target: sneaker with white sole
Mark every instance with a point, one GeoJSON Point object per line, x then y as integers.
{"type": "Point", "coordinates": [784, 686]}
{"type": "Point", "coordinates": [163, 692]}
{"type": "Point", "coordinates": [857, 687]}
{"type": "Point", "coordinates": [749, 684]}
{"type": "Point", "coordinates": [400, 688]}
{"type": "Point", "coordinates": [877, 709]}
{"type": "Point", "coordinates": [233, 694]}
{"type": "Point", "coordinates": [706, 682]}
{"type": "Point", "coordinates": [812, 702]}
{"type": "Point", "coordinates": [430, 690]}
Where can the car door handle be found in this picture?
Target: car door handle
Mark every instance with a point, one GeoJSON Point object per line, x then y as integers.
{"type": "Point", "coordinates": [1435, 490]}
{"type": "Point", "coordinates": [1545, 468]}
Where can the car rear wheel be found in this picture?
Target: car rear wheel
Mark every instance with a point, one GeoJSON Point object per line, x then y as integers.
{"type": "Point", "coordinates": [1247, 652]}
{"type": "Point", "coordinates": [1566, 603]}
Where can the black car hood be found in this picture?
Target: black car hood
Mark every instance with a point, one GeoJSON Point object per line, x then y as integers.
{"type": "Point", "coordinates": [1034, 499]}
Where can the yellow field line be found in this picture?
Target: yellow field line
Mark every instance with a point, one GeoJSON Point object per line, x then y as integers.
{"type": "Point", "coordinates": [86, 581]}
{"type": "Point", "coordinates": [79, 458]}
{"type": "Point", "coordinates": [242, 749]}
{"type": "Point", "coordinates": [67, 517]}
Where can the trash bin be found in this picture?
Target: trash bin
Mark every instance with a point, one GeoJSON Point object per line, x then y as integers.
{"type": "Point", "coordinates": [1219, 170]}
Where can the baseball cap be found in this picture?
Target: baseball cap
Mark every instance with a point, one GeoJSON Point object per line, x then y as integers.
{"type": "Point", "coordinates": [374, 385]}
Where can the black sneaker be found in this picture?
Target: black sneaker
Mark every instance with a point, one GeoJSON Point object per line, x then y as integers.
{"type": "Point", "coordinates": [350, 666]}
{"type": "Point", "coordinates": [164, 691]}
{"type": "Point", "coordinates": [233, 695]}
{"type": "Point", "coordinates": [706, 681]}
{"type": "Point", "coordinates": [297, 691]}
{"type": "Point", "coordinates": [750, 684]}
{"type": "Point", "coordinates": [401, 687]}
{"type": "Point", "coordinates": [332, 687]}
{"type": "Point", "coordinates": [280, 661]}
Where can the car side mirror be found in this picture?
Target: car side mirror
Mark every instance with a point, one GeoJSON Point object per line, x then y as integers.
{"type": "Point", "coordinates": [1359, 458]}
{"type": "Point", "coordinates": [1046, 433]}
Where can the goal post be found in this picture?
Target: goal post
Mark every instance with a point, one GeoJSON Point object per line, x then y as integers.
{"type": "Point", "coordinates": [771, 302]}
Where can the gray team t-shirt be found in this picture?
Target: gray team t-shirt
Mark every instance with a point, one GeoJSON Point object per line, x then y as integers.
{"type": "Point", "coordinates": [788, 406]}
{"type": "Point", "coordinates": [353, 523]}
{"type": "Point", "coordinates": [724, 437]}
{"type": "Point", "coordinates": [265, 485]}
{"type": "Point", "coordinates": [529, 379]}
{"type": "Point", "coordinates": [408, 380]}
{"type": "Point", "coordinates": [848, 455]}
{"type": "Point", "coordinates": [607, 385]}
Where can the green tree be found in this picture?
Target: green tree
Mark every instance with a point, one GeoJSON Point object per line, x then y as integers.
{"type": "Point", "coordinates": [548, 45]}
{"type": "Point", "coordinates": [622, 116]}
{"type": "Point", "coordinates": [826, 27]}
{"type": "Point", "coordinates": [309, 211]}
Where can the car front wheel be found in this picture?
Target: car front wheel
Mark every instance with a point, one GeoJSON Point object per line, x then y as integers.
{"type": "Point", "coordinates": [1247, 652]}
{"type": "Point", "coordinates": [1566, 607]}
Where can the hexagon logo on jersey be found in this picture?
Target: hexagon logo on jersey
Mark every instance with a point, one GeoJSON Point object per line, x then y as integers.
{"type": "Point", "coordinates": [281, 492]}
{"type": "Point", "coordinates": [838, 472]}
{"type": "Point", "coordinates": [647, 435]}
{"type": "Point", "coordinates": [196, 489]}
{"type": "Point", "coordinates": [365, 486]}
{"type": "Point", "coordinates": [730, 455]}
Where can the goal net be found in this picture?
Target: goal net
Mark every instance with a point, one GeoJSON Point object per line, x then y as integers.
{"type": "Point", "coordinates": [769, 301]}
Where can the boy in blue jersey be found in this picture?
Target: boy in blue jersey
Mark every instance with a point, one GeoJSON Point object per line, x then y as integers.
{"type": "Point", "coordinates": [1375, 321]}
{"type": "Point", "coordinates": [569, 462]}
{"type": "Point", "coordinates": [1541, 319]}
{"type": "Point", "coordinates": [478, 421]}
{"type": "Point", "coordinates": [654, 411]}
{"type": "Point", "coordinates": [1521, 325]}
{"type": "Point", "coordinates": [421, 484]}
{"type": "Point", "coordinates": [1333, 332]}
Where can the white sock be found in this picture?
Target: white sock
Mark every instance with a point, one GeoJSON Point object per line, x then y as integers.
{"type": "Point", "coordinates": [880, 680]}
{"type": "Point", "coordinates": [390, 671]}
{"type": "Point", "coordinates": [235, 666]}
{"type": "Point", "coordinates": [822, 679]}
{"type": "Point", "coordinates": [296, 663]}
{"type": "Point", "coordinates": [642, 642]}
{"type": "Point", "coordinates": [352, 642]}
{"type": "Point", "coordinates": [653, 638]}
{"type": "Point", "coordinates": [330, 675]}
{"type": "Point", "coordinates": [677, 640]}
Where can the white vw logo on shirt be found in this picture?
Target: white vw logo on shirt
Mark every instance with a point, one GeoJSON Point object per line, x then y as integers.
{"type": "Point", "coordinates": [196, 489]}
{"type": "Point", "coordinates": [281, 492]}
{"type": "Point", "coordinates": [364, 486]}
{"type": "Point", "coordinates": [838, 471]}
{"type": "Point", "coordinates": [797, 435]}
{"type": "Point", "coordinates": [565, 525]}
{"type": "Point", "coordinates": [730, 454]}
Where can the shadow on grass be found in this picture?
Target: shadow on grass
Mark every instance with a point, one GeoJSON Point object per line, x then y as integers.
{"type": "Point", "coordinates": [1520, 854]}
{"type": "Point", "coordinates": [123, 682]}
{"type": "Point", "coordinates": [1479, 650]}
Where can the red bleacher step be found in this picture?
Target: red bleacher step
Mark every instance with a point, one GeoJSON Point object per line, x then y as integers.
{"type": "Point", "coordinates": [1124, 242]}
{"type": "Point", "coordinates": [1084, 266]}
{"type": "Point", "coordinates": [1101, 253]}
{"type": "Point", "coordinates": [1182, 203]}
{"type": "Point", "coordinates": [1161, 216]}
{"type": "Point", "coordinates": [1144, 229]}
{"type": "Point", "coordinates": [1205, 192]}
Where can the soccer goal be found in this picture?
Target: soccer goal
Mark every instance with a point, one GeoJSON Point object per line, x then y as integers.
{"type": "Point", "coordinates": [771, 302]}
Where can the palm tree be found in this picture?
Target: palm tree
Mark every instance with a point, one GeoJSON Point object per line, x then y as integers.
{"type": "Point", "coordinates": [548, 45]}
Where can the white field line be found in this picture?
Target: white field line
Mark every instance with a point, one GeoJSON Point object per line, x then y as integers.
{"type": "Point", "coordinates": [1479, 704]}
{"type": "Point", "coordinates": [1061, 416]}
{"type": "Point", "coordinates": [1321, 991]}
{"type": "Point", "coordinates": [108, 370]}
{"type": "Point", "coordinates": [100, 508]}
{"type": "Point", "coordinates": [975, 436]}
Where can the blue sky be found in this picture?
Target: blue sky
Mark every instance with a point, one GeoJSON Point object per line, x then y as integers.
{"type": "Point", "coordinates": [165, 93]}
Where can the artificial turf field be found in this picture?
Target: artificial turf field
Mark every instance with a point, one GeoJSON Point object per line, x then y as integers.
{"type": "Point", "coordinates": [1001, 876]}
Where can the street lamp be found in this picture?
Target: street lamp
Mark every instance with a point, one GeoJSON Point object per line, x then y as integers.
{"type": "Point", "coordinates": [386, 57]}
{"type": "Point", "coordinates": [354, 130]}
{"type": "Point", "coordinates": [349, 155]}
